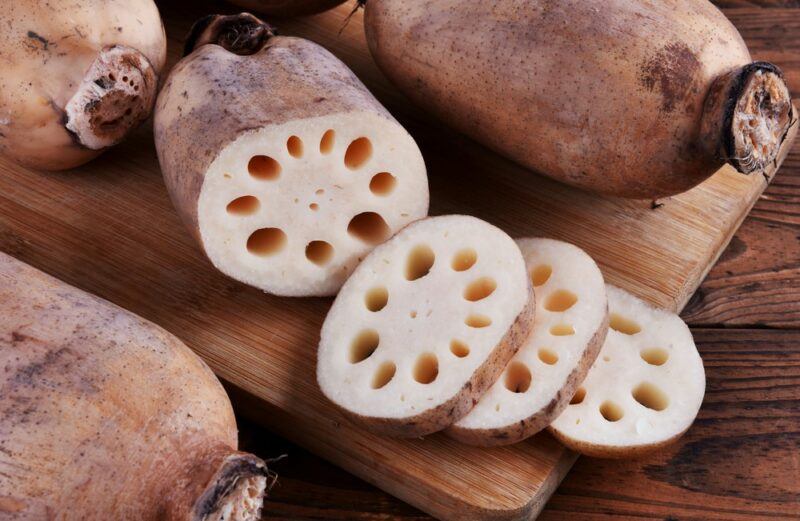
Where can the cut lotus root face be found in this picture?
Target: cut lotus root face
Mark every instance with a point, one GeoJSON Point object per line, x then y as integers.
{"type": "Point", "coordinates": [293, 208]}
{"type": "Point", "coordinates": [425, 325]}
{"type": "Point", "coordinates": [643, 391]}
{"type": "Point", "coordinates": [570, 326]}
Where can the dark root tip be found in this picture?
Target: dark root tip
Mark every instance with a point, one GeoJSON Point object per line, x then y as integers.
{"type": "Point", "coordinates": [241, 34]}
{"type": "Point", "coordinates": [758, 97]}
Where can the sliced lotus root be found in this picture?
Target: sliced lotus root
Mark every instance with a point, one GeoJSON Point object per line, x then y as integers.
{"type": "Point", "coordinates": [570, 326]}
{"type": "Point", "coordinates": [293, 208]}
{"type": "Point", "coordinates": [644, 389]}
{"type": "Point", "coordinates": [425, 325]}
{"type": "Point", "coordinates": [280, 161]}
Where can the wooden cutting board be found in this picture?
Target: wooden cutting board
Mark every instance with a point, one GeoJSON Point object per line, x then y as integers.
{"type": "Point", "coordinates": [109, 228]}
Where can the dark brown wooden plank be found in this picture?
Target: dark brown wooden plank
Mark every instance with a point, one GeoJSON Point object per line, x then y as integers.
{"type": "Point", "coordinates": [771, 35]}
{"type": "Point", "coordinates": [756, 281]}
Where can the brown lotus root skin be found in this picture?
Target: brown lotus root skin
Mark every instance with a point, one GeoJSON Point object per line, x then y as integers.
{"type": "Point", "coordinates": [610, 100]}
{"type": "Point", "coordinates": [104, 415]}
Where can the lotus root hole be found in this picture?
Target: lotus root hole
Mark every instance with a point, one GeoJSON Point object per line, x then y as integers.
{"type": "Point", "coordinates": [420, 261]}
{"type": "Point", "coordinates": [266, 241]}
{"type": "Point", "coordinates": [464, 259]}
{"type": "Point", "coordinates": [459, 348]}
{"type": "Point", "coordinates": [655, 356]}
{"type": "Point", "coordinates": [541, 274]}
{"type": "Point", "coordinates": [319, 252]}
{"type": "Point", "coordinates": [294, 145]}
{"type": "Point", "coordinates": [369, 227]}
{"type": "Point", "coordinates": [650, 396]}
{"type": "Point", "coordinates": [578, 397]}
{"type": "Point", "coordinates": [358, 153]}
{"type": "Point", "coordinates": [383, 375]}
{"type": "Point", "coordinates": [326, 143]}
{"type": "Point", "coordinates": [245, 205]}
{"type": "Point", "coordinates": [478, 321]}
{"type": "Point", "coordinates": [376, 298]}
{"type": "Point", "coordinates": [426, 368]}
{"type": "Point", "coordinates": [548, 356]}
{"type": "Point", "coordinates": [382, 184]}
{"type": "Point", "coordinates": [480, 289]}
{"type": "Point", "coordinates": [264, 168]}
{"type": "Point", "coordinates": [611, 411]}
{"type": "Point", "coordinates": [624, 325]}
{"type": "Point", "coordinates": [365, 343]}
{"type": "Point", "coordinates": [560, 301]}
{"type": "Point", "coordinates": [518, 377]}
{"type": "Point", "coordinates": [562, 330]}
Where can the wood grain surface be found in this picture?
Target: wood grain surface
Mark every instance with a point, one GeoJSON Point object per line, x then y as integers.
{"type": "Point", "coordinates": [104, 227]}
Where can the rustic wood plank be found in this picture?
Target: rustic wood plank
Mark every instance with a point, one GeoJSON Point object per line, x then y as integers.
{"type": "Point", "coordinates": [757, 279]}
{"type": "Point", "coordinates": [771, 35]}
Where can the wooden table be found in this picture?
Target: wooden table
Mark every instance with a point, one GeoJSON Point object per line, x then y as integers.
{"type": "Point", "coordinates": [741, 459]}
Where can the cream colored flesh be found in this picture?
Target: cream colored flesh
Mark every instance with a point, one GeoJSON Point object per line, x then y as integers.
{"type": "Point", "coordinates": [570, 325]}
{"type": "Point", "coordinates": [645, 387]}
{"type": "Point", "coordinates": [394, 349]}
{"type": "Point", "coordinates": [299, 222]}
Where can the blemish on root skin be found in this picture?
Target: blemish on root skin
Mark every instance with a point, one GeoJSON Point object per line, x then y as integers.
{"type": "Point", "coordinates": [672, 70]}
{"type": "Point", "coordinates": [44, 41]}
{"type": "Point", "coordinates": [18, 337]}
